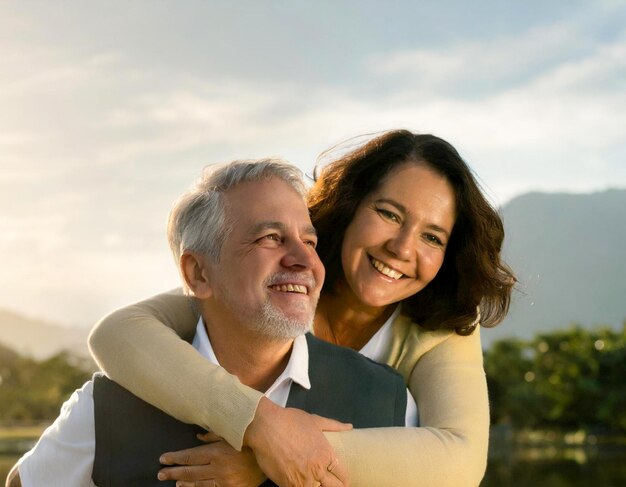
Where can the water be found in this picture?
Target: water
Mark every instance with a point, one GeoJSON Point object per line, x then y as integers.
{"type": "Point", "coordinates": [602, 468]}
{"type": "Point", "coordinates": [6, 462]}
{"type": "Point", "coordinates": [10, 452]}
{"type": "Point", "coordinates": [549, 467]}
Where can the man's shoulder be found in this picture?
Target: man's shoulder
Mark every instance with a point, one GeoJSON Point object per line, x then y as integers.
{"type": "Point", "coordinates": [364, 393]}
{"type": "Point", "coordinates": [320, 349]}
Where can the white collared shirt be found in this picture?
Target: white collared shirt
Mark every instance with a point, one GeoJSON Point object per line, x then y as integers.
{"type": "Point", "coordinates": [297, 369]}
{"type": "Point", "coordinates": [65, 452]}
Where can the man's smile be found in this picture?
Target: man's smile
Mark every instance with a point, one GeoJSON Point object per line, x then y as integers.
{"type": "Point", "coordinates": [290, 288]}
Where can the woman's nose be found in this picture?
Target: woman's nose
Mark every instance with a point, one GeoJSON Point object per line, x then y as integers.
{"type": "Point", "coordinates": [402, 245]}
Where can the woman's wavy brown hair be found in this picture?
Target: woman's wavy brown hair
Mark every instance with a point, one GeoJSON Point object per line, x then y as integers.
{"type": "Point", "coordinates": [472, 276]}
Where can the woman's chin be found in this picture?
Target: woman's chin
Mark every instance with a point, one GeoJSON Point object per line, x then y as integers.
{"type": "Point", "coordinates": [376, 300]}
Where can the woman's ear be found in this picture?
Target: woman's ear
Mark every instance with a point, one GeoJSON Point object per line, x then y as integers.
{"type": "Point", "coordinates": [194, 268]}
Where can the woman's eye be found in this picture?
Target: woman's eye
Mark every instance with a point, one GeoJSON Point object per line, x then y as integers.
{"type": "Point", "coordinates": [434, 239]}
{"type": "Point", "coordinates": [388, 215]}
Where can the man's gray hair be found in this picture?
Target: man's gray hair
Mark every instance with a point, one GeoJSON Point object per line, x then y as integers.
{"type": "Point", "coordinates": [198, 221]}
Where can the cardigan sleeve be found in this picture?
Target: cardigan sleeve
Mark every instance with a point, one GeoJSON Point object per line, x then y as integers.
{"type": "Point", "coordinates": [450, 446]}
{"type": "Point", "coordinates": [447, 379]}
{"type": "Point", "coordinates": [133, 348]}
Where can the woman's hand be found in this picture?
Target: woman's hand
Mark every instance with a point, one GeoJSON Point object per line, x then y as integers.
{"type": "Point", "coordinates": [291, 449]}
{"type": "Point", "coordinates": [216, 463]}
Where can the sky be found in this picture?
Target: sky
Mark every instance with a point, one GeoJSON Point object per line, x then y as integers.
{"type": "Point", "coordinates": [110, 109]}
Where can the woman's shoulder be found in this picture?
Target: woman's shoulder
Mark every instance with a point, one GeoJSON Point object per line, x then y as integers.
{"type": "Point", "coordinates": [410, 342]}
{"type": "Point", "coordinates": [413, 335]}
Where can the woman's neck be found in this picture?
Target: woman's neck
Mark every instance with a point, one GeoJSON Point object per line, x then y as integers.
{"type": "Point", "coordinates": [343, 320]}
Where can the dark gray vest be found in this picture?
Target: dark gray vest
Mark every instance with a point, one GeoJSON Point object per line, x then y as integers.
{"type": "Point", "coordinates": [131, 434]}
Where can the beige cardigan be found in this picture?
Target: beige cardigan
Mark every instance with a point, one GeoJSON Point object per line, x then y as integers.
{"type": "Point", "coordinates": [444, 372]}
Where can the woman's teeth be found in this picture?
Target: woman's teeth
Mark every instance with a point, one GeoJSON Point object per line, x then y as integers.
{"type": "Point", "coordinates": [383, 269]}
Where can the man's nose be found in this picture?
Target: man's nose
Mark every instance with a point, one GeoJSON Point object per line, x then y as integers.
{"type": "Point", "coordinates": [301, 255]}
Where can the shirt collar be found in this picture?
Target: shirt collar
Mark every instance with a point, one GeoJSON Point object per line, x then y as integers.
{"type": "Point", "coordinates": [297, 369]}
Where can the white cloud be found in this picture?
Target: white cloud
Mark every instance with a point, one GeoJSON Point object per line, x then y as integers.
{"type": "Point", "coordinates": [95, 145]}
{"type": "Point", "coordinates": [80, 287]}
{"type": "Point", "coordinates": [487, 60]}
{"type": "Point", "coordinates": [556, 127]}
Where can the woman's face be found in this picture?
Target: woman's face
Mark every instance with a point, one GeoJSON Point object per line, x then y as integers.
{"type": "Point", "coordinates": [397, 240]}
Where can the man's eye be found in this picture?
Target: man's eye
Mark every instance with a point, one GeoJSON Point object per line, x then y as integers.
{"type": "Point", "coordinates": [272, 236]}
{"type": "Point", "coordinates": [388, 215]}
{"type": "Point", "coordinates": [311, 243]}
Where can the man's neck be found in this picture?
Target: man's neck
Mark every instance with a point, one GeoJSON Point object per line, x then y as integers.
{"type": "Point", "coordinates": [255, 360]}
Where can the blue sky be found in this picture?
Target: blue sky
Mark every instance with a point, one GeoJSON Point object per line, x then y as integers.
{"type": "Point", "coordinates": [108, 111]}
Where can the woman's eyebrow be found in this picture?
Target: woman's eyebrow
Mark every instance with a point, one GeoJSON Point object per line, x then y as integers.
{"type": "Point", "coordinates": [391, 202]}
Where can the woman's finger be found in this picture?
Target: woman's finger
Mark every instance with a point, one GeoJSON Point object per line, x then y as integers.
{"type": "Point", "coordinates": [328, 424]}
{"type": "Point", "coordinates": [333, 474]}
{"type": "Point", "coordinates": [292, 450]}
{"type": "Point", "coordinates": [337, 470]}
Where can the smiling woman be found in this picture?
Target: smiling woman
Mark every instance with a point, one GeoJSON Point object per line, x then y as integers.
{"type": "Point", "coordinates": [401, 230]}
{"type": "Point", "coordinates": [412, 252]}
{"type": "Point", "coordinates": [393, 247]}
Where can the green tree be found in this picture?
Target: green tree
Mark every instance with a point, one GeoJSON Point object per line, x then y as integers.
{"type": "Point", "coordinates": [34, 391]}
{"type": "Point", "coordinates": [566, 379]}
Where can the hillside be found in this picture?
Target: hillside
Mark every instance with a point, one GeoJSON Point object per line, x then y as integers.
{"type": "Point", "coordinates": [38, 339]}
{"type": "Point", "coordinates": [569, 255]}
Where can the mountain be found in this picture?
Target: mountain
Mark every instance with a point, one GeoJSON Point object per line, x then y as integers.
{"type": "Point", "coordinates": [569, 254]}
{"type": "Point", "coordinates": [567, 250]}
{"type": "Point", "coordinates": [38, 339]}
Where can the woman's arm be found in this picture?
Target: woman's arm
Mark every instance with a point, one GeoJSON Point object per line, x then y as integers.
{"type": "Point", "coordinates": [133, 348]}
{"type": "Point", "coordinates": [450, 446]}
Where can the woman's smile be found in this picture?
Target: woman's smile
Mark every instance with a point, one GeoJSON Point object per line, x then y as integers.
{"type": "Point", "coordinates": [386, 270]}
{"type": "Point", "coordinates": [396, 241]}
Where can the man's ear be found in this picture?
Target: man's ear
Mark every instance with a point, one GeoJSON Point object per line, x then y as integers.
{"type": "Point", "coordinates": [194, 267]}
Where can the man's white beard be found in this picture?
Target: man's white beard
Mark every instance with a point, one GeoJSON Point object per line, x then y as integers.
{"type": "Point", "coordinates": [268, 321]}
{"type": "Point", "coordinates": [274, 324]}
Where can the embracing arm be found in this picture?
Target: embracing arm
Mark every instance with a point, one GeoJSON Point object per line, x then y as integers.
{"type": "Point", "coordinates": [133, 348]}
{"type": "Point", "coordinates": [450, 446]}
{"type": "Point", "coordinates": [138, 347]}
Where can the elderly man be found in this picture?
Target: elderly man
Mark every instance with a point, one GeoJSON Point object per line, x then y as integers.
{"type": "Point", "coordinates": [246, 251]}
